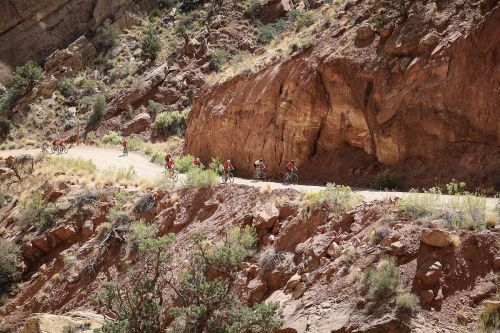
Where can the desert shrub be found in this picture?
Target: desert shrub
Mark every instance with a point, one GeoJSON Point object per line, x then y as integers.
{"type": "Point", "coordinates": [9, 258]}
{"type": "Point", "coordinates": [339, 198]}
{"type": "Point", "coordinates": [379, 21]}
{"type": "Point", "coordinates": [151, 45]}
{"type": "Point", "coordinates": [23, 80]}
{"type": "Point", "coordinates": [253, 10]}
{"type": "Point", "coordinates": [67, 87]}
{"type": "Point", "coordinates": [189, 5]}
{"type": "Point", "coordinates": [184, 164]}
{"type": "Point", "coordinates": [455, 187]}
{"type": "Point", "coordinates": [136, 144]}
{"type": "Point", "coordinates": [381, 282]}
{"type": "Point", "coordinates": [218, 58]}
{"type": "Point", "coordinates": [417, 205]}
{"type": "Point", "coordinates": [168, 123]}
{"type": "Point", "coordinates": [199, 178]}
{"type": "Point", "coordinates": [304, 20]}
{"type": "Point", "coordinates": [210, 304]}
{"type": "Point", "coordinates": [112, 137]}
{"type": "Point", "coordinates": [145, 203]}
{"type": "Point", "coordinates": [37, 211]}
{"type": "Point", "coordinates": [138, 305]}
{"type": "Point", "coordinates": [490, 318]}
{"type": "Point", "coordinates": [89, 87]}
{"type": "Point", "coordinates": [122, 197]}
{"type": "Point", "coordinates": [385, 180]}
{"type": "Point", "coordinates": [464, 212]}
{"type": "Point", "coordinates": [74, 165]}
{"type": "Point", "coordinates": [267, 32]}
{"type": "Point", "coordinates": [155, 108]}
{"type": "Point", "coordinates": [5, 125]}
{"type": "Point", "coordinates": [216, 166]}
{"type": "Point", "coordinates": [106, 39]}
{"type": "Point", "coordinates": [379, 233]}
{"type": "Point", "coordinates": [407, 303]}
{"type": "Point", "coordinates": [100, 106]}
{"type": "Point", "coordinates": [269, 260]}
{"type": "Point", "coordinates": [69, 124]}
{"type": "Point", "coordinates": [86, 197]}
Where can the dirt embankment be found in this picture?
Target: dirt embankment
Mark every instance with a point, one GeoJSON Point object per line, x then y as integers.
{"type": "Point", "coordinates": [420, 96]}
{"type": "Point", "coordinates": [316, 257]}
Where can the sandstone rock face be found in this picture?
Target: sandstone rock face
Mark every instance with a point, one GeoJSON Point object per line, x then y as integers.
{"type": "Point", "coordinates": [273, 9]}
{"type": "Point", "coordinates": [332, 110]}
{"type": "Point", "coordinates": [72, 59]}
{"type": "Point", "coordinates": [48, 323]}
{"type": "Point", "coordinates": [136, 125]}
{"type": "Point", "coordinates": [33, 29]}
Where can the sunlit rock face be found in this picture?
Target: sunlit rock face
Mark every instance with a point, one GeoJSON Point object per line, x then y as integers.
{"type": "Point", "coordinates": [32, 29]}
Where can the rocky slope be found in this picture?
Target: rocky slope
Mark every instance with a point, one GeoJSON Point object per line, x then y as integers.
{"type": "Point", "coordinates": [34, 29]}
{"type": "Point", "coordinates": [310, 259]}
{"type": "Point", "coordinates": [420, 94]}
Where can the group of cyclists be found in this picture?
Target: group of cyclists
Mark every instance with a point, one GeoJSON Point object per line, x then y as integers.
{"type": "Point", "coordinates": [58, 147]}
{"type": "Point", "coordinates": [227, 172]}
{"type": "Point", "coordinates": [228, 168]}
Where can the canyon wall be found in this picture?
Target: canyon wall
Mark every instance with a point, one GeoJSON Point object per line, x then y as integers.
{"type": "Point", "coordinates": [417, 92]}
{"type": "Point", "coordinates": [34, 29]}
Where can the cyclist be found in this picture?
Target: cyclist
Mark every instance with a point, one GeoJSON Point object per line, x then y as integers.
{"type": "Point", "coordinates": [290, 167]}
{"type": "Point", "coordinates": [169, 164]}
{"type": "Point", "coordinates": [197, 163]}
{"type": "Point", "coordinates": [228, 167]}
{"type": "Point", "coordinates": [259, 167]}
{"type": "Point", "coordinates": [125, 147]}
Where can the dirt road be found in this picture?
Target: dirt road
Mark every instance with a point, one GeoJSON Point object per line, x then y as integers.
{"type": "Point", "coordinates": [105, 158]}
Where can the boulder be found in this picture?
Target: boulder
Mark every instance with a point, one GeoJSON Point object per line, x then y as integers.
{"type": "Point", "coordinates": [65, 232]}
{"type": "Point", "coordinates": [140, 122]}
{"type": "Point", "coordinates": [430, 272]}
{"type": "Point", "coordinates": [274, 9]}
{"type": "Point", "coordinates": [49, 323]}
{"type": "Point", "coordinates": [293, 282]}
{"type": "Point", "coordinates": [497, 262]}
{"type": "Point", "coordinates": [428, 42]}
{"type": "Point", "coordinates": [299, 291]}
{"type": "Point", "coordinates": [364, 32]}
{"type": "Point", "coordinates": [71, 60]}
{"type": "Point", "coordinates": [333, 250]}
{"type": "Point", "coordinates": [481, 292]}
{"type": "Point", "coordinates": [427, 296]}
{"type": "Point", "coordinates": [266, 216]}
{"type": "Point", "coordinates": [256, 289]}
{"type": "Point", "coordinates": [436, 237]}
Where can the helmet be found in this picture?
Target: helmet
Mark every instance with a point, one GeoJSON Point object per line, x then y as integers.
{"type": "Point", "coordinates": [168, 156]}
{"type": "Point", "coordinates": [228, 161]}
{"type": "Point", "coordinates": [292, 161]}
{"type": "Point", "coordinates": [197, 158]}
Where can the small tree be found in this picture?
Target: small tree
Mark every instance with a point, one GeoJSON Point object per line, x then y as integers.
{"type": "Point", "coordinates": [208, 302]}
{"type": "Point", "coordinates": [100, 106]}
{"type": "Point", "coordinates": [151, 45]}
{"type": "Point", "coordinates": [23, 80]}
{"type": "Point", "coordinates": [138, 307]}
{"type": "Point", "coordinates": [106, 39]}
{"type": "Point", "coordinates": [4, 127]}
{"type": "Point", "coordinates": [9, 258]}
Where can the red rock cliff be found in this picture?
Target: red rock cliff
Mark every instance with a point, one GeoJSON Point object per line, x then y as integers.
{"type": "Point", "coordinates": [426, 91]}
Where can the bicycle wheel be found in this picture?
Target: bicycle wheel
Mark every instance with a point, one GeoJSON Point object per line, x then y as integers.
{"type": "Point", "coordinates": [231, 178]}
{"type": "Point", "coordinates": [263, 176]}
{"type": "Point", "coordinates": [175, 177]}
{"type": "Point", "coordinates": [53, 150]}
{"type": "Point", "coordinates": [286, 179]}
{"type": "Point", "coordinates": [65, 150]}
{"type": "Point", "coordinates": [294, 179]}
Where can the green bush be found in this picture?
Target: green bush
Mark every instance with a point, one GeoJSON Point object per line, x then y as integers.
{"type": "Point", "coordinates": [48, 217]}
{"type": "Point", "coordinates": [23, 80]}
{"type": "Point", "coordinates": [4, 127]}
{"type": "Point", "coordinates": [338, 197]}
{"type": "Point", "coordinates": [304, 20]}
{"type": "Point", "coordinates": [379, 233]}
{"type": "Point", "coordinates": [381, 282]}
{"type": "Point", "coordinates": [37, 211]}
{"type": "Point", "coordinates": [107, 38]}
{"type": "Point", "coordinates": [416, 205]}
{"type": "Point", "coordinates": [100, 106]}
{"type": "Point", "coordinates": [155, 108]}
{"type": "Point", "coordinates": [184, 164]}
{"type": "Point", "coordinates": [455, 187]}
{"type": "Point", "coordinates": [253, 10]}
{"type": "Point", "coordinates": [168, 123]}
{"type": "Point", "coordinates": [407, 303]}
{"type": "Point", "coordinates": [199, 178]}
{"type": "Point", "coordinates": [67, 87]}
{"type": "Point", "coordinates": [151, 45]}
{"type": "Point", "coordinates": [385, 180]}
{"type": "Point", "coordinates": [9, 258]}
{"type": "Point", "coordinates": [216, 166]}
{"type": "Point", "coordinates": [218, 58]}
{"type": "Point", "coordinates": [112, 137]}
{"type": "Point", "coordinates": [89, 87]}
{"type": "Point", "coordinates": [267, 32]}
{"type": "Point", "coordinates": [210, 304]}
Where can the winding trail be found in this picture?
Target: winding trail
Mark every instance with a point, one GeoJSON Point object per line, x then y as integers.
{"type": "Point", "coordinates": [105, 158]}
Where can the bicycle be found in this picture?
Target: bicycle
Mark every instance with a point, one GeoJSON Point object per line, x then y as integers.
{"type": "Point", "coordinates": [260, 175]}
{"type": "Point", "coordinates": [172, 175]}
{"type": "Point", "coordinates": [227, 177]}
{"type": "Point", "coordinates": [125, 151]}
{"type": "Point", "coordinates": [291, 177]}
